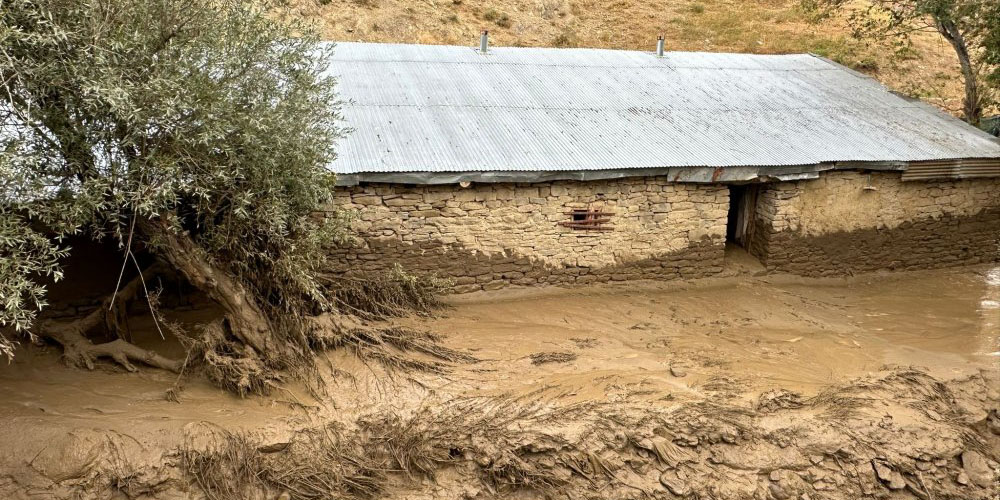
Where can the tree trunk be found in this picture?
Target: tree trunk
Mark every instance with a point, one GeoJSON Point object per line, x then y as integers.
{"type": "Point", "coordinates": [972, 104]}
{"type": "Point", "coordinates": [244, 317]}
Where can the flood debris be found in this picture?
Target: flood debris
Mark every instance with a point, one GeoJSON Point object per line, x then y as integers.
{"type": "Point", "coordinates": [675, 482]}
{"type": "Point", "coordinates": [541, 358]}
{"type": "Point", "coordinates": [507, 447]}
{"type": "Point", "coordinates": [778, 399]}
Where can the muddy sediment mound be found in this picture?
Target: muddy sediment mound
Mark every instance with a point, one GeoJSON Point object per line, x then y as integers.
{"type": "Point", "coordinates": [898, 434]}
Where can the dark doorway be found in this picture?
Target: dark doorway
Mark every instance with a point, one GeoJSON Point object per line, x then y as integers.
{"type": "Point", "coordinates": [739, 224]}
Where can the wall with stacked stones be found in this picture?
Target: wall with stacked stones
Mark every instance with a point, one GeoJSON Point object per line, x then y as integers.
{"type": "Point", "coordinates": [846, 222]}
{"type": "Point", "coordinates": [91, 275]}
{"type": "Point", "coordinates": [488, 236]}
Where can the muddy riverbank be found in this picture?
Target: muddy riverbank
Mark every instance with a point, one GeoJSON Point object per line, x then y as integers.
{"type": "Point", "coordinates": [878, 386]}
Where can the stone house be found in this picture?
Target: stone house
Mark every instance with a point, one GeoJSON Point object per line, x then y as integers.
{"type": "Point", "coordinates": [533, 165]}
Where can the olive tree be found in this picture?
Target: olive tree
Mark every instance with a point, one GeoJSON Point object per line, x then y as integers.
{"type": "Point", "coordinates": [198, 130]}
{"type": "Point", "coordinates": [971, 28]}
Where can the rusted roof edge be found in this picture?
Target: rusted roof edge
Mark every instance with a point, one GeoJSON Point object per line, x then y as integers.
{"type": "Point", "coordinates": [674, 174]}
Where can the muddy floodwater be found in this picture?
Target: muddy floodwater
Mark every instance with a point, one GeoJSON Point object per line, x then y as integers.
{"type": "Point", "coordinates": [746, 386]}
{"type": "Point", "coordinates": [760, 333]}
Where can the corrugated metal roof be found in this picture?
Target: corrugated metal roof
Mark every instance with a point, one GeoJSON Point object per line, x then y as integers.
{"type": "Point", "coordinates": [954, 169]}
{"type": "Point", "coordinates": [425, 108]}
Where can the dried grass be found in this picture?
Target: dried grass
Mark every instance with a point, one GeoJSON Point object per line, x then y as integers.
{"type": "Point", "coordinates": [326, 465]}
{"type": "Point", "coordinates": [768, 27]}
{"type": "Point", "coordinates": [120, 473]}
{"type": "Point", "coordinates": [395, 348]}
{"type": "Point", "coordinates": [229, 471]}
{"type": "Point", "coordinates": [922, 392]}
{"type": "Point", "coordinates": [540, 358]}
{"type": "Point", "coordinates": [334, 462]}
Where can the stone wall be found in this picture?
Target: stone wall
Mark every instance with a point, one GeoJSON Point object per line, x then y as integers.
{"type": "Point", "coordinates": [91, 276]}
{"type": "Point", "coordinates": [846, 222]}
{"type": "Point", "coordinates": [488, 236]}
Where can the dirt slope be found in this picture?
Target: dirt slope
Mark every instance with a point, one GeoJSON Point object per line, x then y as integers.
{"type": "Point", "coordinates": [929, 70]}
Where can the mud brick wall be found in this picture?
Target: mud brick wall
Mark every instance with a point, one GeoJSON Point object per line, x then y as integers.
{"type": "Point", "coordinates": [488, 236]}
{"type": "Point", "coordinates": [834, 225]}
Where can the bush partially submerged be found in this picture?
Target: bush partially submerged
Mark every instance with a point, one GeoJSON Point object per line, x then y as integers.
{"type": "Point", "coordinates": [386, 294]}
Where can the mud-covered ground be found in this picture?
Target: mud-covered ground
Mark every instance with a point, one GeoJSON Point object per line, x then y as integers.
{"type": "Point", "coordinates": [762, 387]}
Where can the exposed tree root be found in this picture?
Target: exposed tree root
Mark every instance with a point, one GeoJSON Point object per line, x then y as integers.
{"type": "Point", "coordinates": [78, 350]}
{"type": "Point", "coordinates": [233, 365]}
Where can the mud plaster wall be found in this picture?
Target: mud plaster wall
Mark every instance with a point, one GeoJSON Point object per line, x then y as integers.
{"type": "Point", "coordinates": [489, 236]}
{"type": "Point", "coordinates": [833, 225]}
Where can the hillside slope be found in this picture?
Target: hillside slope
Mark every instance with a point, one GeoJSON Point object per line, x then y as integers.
{"type": "Point", "coordinates": [928, 70]}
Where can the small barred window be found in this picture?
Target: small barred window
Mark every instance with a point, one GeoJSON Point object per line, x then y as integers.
{"type": "Point", "coordinates": [589, 219]}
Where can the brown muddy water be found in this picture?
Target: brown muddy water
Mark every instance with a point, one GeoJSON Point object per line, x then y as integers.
{"type": "Point", "coordinates": [771, 386]}
{"type": "Point", "coordinates": [761, 333]}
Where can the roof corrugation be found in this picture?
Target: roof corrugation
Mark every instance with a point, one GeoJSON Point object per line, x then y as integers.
{"type": "Point", "coordinates": [425, 108]}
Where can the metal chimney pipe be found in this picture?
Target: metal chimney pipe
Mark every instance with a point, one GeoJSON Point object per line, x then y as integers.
{"type": "Point", "coordinates": [659, 46]}
{"type": "Point", "coordinates": [484, 41]}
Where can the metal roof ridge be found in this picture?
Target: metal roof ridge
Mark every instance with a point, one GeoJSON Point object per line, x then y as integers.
{"type": "Point", "coordinates": [568, 49]}
{"type": "Point", "coordinates": [665, 65]}
{"type": "Point", "coordinates": [582, 108]}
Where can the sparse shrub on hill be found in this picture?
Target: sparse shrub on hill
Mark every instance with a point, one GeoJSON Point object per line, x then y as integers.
{"type": "Point", "coordinates": [501, 19]}
{"type": "Point", "coordinates": [565, 39]}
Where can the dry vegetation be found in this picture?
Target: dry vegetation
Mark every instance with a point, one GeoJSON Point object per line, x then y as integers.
{"type": "Point", "coordinates": [525, 447]}
{"type": "Point", "coordinates": [928, 70]}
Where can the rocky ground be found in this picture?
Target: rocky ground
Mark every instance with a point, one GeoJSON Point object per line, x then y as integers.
{"type": "Point", "coordinates": [756, 387]}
